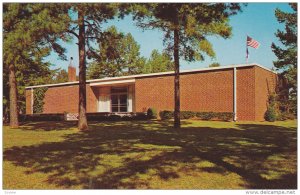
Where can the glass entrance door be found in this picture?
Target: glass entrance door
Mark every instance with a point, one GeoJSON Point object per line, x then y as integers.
{"type": "Point", "coordinates": [119, 100]}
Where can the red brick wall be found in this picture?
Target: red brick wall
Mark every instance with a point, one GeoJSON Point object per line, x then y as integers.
{"type": "Point", "coordinates": [91, 99]}
{"type": "Point", "coordinates": [64, 99]}
{"type": "Point", "coordinates": [203, 91]}
{"type": "Point", "coordinates": [245, 91]}
{"type": "Point", "coordinates": [61, 99]}
{"type": "Point", "coordinates": [28, 101]}
{"type": "Point", "coordinates": [265, 84]}
{"type": "Point", "coordinates": [155, 92]}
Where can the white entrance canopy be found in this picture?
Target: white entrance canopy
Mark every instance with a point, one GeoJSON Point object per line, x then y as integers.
{"type": "Point", "coordinates": [105, 83]}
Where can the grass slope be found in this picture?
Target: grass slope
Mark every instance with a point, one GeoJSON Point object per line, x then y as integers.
{"type": "Point", "coordinates": [151, 154]}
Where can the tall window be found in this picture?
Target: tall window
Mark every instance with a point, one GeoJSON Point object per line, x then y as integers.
{"type": "Point", "coordinates": [119, 99]}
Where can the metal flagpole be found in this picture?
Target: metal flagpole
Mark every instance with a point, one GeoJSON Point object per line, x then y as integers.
{"type": "Point", "coordinates": [247, 56]}
{"type": "Point", "coordinates": [247, 52]}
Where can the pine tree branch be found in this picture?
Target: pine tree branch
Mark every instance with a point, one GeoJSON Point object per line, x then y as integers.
{"type": "Point", "coordinates": [73, 33]}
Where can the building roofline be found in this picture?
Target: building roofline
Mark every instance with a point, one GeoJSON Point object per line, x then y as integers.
{"type": "Point", "coordinates": [153, 74]}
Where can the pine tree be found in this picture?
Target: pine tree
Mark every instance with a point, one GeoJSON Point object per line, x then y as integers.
{"type": "Point", "coordinates": [87, 27]}
{"type": "Point", "coordinates": [287, 57]}
{"type": "Point", "coordinates": [186, 27]}
{"type": "Point", "coordinates": [134, 62]}
{"type": "Point", "coordinates": [118, 54]}
{"type": "Point", "coordinates": [30, 33]}
{"type": "Point", "coordinates": [159, 62]}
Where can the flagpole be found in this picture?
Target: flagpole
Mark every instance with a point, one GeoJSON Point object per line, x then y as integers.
{"type": "Point", "coordinates": [247, 51]}
{"type": "Point", "coordinates": [247, 56]}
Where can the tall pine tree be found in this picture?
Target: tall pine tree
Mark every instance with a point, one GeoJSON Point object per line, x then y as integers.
{"type": "Point", "coordinates": [186, 27]}
{"type": "Point", "coordinates": [287, 58]}
{"type": "Point", "coordinates": [30, 33]}
{"type": "Point", "coordinates": [85, 28]}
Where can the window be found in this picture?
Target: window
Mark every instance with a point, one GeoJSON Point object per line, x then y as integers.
{"type": "Point", "coordinates": [119, 99]}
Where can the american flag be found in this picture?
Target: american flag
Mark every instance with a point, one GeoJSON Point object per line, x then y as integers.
{"type": "Point", "coordinates": [252, 43]}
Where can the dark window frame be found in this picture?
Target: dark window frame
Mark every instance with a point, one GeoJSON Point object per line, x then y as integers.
{"type": "Point", "coordinates": [118, 92]}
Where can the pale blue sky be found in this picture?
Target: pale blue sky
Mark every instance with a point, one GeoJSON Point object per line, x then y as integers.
{"type": "Point", "coordinates": [257, 20]}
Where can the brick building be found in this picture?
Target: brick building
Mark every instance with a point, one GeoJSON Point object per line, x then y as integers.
{"type": "Point", "coordinates": [241, 89]}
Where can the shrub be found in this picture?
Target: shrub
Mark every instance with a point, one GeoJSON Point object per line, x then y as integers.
{"type": "Point", "coordinates": [90, 117]}
{"type": "Point", "coordinates": [97, 117]}
{"type": "Point", "coordinates": [271, 114]}
{"type": "Point", "coordinates": [187, 114]}
{"type": "Point", "coordinates": [205, 115]}
{"type": "Point", "coordinates": [152, 113]}
{"type": "Point", "coordinates": [225, 116]}
{"type": "Point", "coordinates": [286, 116]}
{"type": "Point", "coordinates": [199, 115]}
{"type": "Point", "coordinates": [140, 116]}
{"type": "Point", "coordinates": [42, 117]}
{"type": "Point", "coordinates": [127, 118]}
{"type": "Point", "coordinates": [38, 99]}
{"type": "Point", "coordinates": [114, 117]}
{"type": "Point", "coordinates": [165, 114]}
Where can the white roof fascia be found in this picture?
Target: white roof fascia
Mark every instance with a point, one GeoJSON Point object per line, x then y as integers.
{"type": "Point", "coordinates": [268, 69]}
{"type": "Point", "coordinates": [124, 78]}
{"type": "Point", "coordinates": [52, 85]}
{"type": "Point", "coordinates": [113, 82]}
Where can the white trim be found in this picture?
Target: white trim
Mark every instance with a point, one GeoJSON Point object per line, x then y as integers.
{"type": "Point", "coordinates": [113, 82]}
{"type": "Point", "coordinates": [31, 106]}
{"type": "Point", "coordinates": [104, 103]}
{"type": "Point", "coordinates": [234, 95]}
{"type": "Point", "coordinates": [129, 98]}
{"type": "Point", "coordinates": [104, 93]}
{"type": "Point", "coordinates": [124, 78]}
{"type": "Point", "coordinates": [52, 85]}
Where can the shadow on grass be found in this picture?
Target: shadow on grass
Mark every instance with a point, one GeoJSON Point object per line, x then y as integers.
{"type": "Point", "coordinates": [112, 155]}
{"type": "Point", "coordinates": [48, 126]}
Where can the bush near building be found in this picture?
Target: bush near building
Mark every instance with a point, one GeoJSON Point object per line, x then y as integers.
{"type": "Point", "coordinates": [223, 116]}
{"type": "Point", "coordinates": [152, 113]}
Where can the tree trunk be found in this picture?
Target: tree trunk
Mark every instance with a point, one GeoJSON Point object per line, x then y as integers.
{"type": "Point", "coordinates": [82, 123]}
{"type": "Point", "coordinates": [176, 78]}
{"type": "Point", "coordinates": [13, 107]}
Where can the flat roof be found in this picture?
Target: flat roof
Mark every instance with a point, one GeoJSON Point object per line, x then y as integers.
{"type": "Point", "coordinates": [124, 78]}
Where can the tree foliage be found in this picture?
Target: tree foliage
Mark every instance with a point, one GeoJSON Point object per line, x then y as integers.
{"type": "Point", "coordinates": [214, 64]}
{"type": "Point", "coordinates": [30, 32]}
{"type": "Point", "coordinates": [60, 76]}
{"type": "Point", "coordinates": [287, 57]}
{"type": "Point", "coordinates": [195, 22]}
{"type": "Point", "coordinates": [117, 54]}
{"type": "Point", "coordinates": [158, 62]}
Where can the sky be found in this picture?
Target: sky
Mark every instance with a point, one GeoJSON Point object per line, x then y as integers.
{"type": "Point", "coordinates": [257, 21]}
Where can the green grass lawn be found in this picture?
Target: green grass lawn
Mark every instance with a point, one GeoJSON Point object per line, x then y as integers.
{"type": "Point", "coordinates": [151, 154]}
